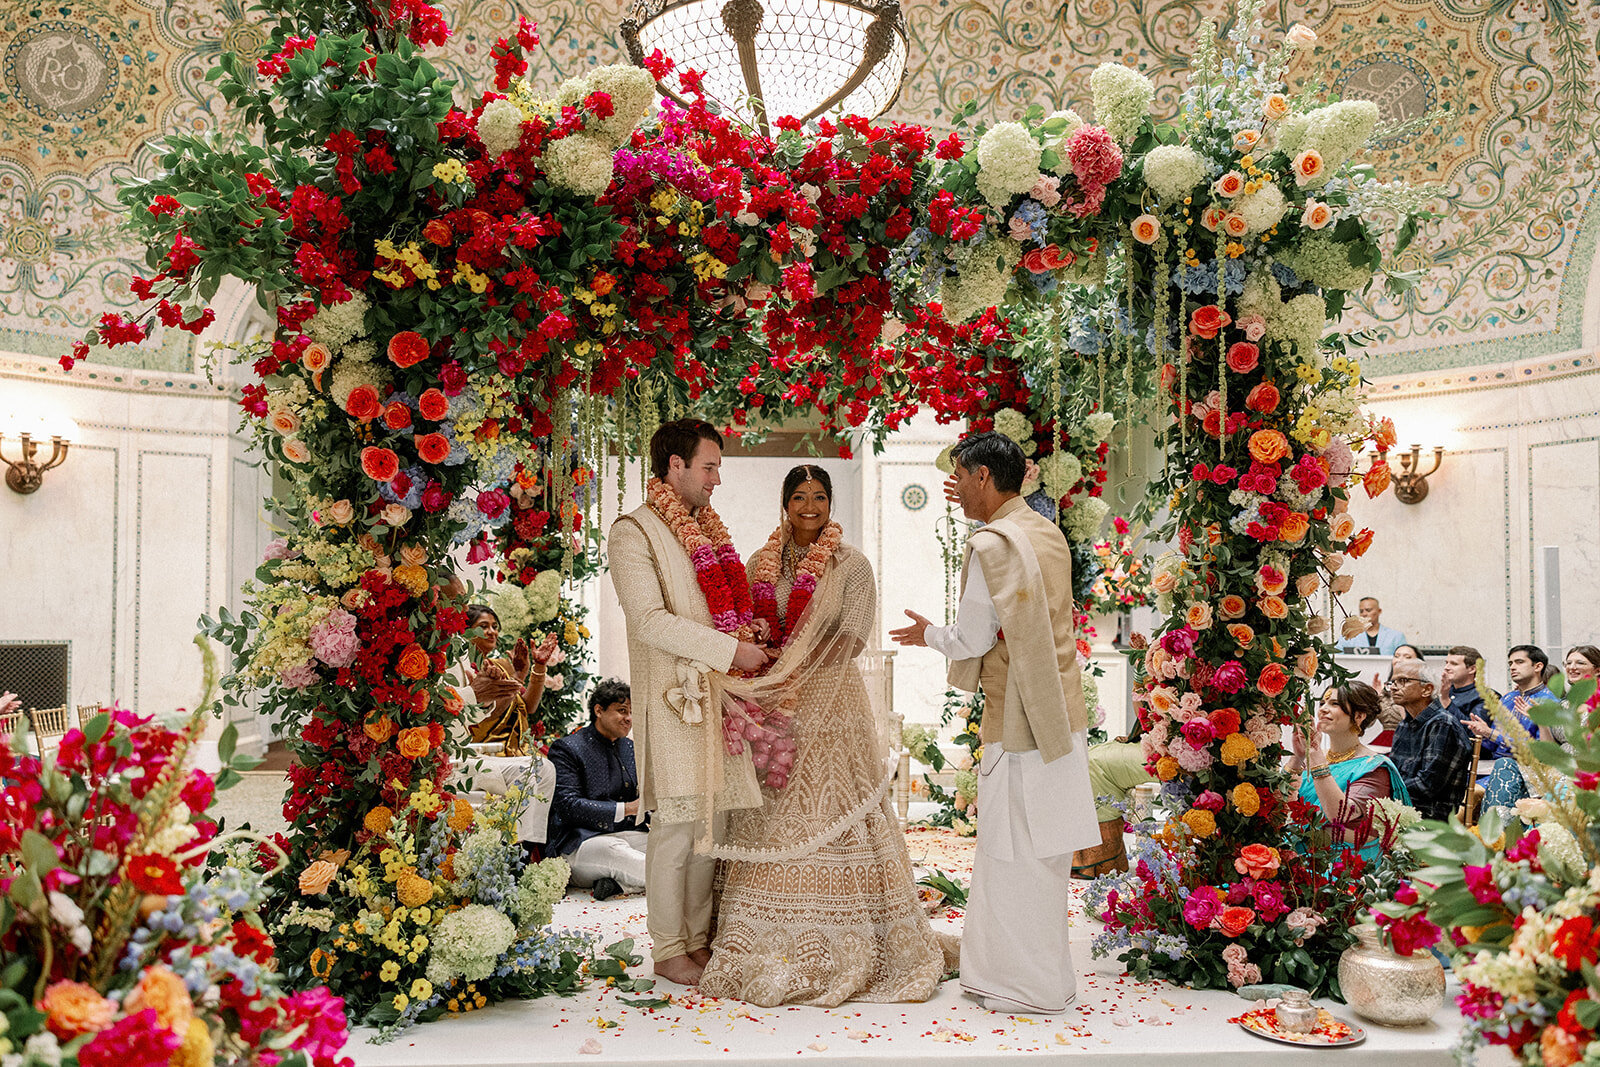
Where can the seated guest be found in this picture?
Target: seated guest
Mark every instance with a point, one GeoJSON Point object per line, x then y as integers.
{"type": "Point", "coordinates": [1344, 778]}
{"type": "Point", "coordinates": [595, 822]}
{"type": "Point", "coordinates": [1581, 664]}
{"type": "Point", "coordinates": [1525, 664]}
{"type": "Point", "coordinates": [1401, 652]}
{"type": "Point", "coordinates": [498, 694]}
{"type": "Point", "coordinates": [1432, 750]}
{"type": "Point", "coordinates": [1115, 767]}
{"type": "Point", "coordinates": [1458, 684]}
{"type": "Point", "coordinates": [1377, 639]}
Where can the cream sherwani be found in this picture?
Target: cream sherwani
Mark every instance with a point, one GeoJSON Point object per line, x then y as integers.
{"type": "Point", "coordinates": [1014, 637]}
{"type": "Point", "coordinates": [672, 648]}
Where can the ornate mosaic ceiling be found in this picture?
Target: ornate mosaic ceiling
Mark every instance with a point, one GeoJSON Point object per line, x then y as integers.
{"type": "Point", "coordinates": [86, 84]}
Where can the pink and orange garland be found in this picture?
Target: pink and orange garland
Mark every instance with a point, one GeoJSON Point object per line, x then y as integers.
{"type": "Point", "coordinates": [716, 562]}
{"type": "Point", "coordinates": [763, 586]}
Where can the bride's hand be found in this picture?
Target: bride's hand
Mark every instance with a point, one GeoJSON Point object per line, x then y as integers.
{"type": "Point", "coordinates": [763, 630]}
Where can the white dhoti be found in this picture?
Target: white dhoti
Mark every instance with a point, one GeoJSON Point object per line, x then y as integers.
{"type": "Point", "coordinates": [619, 856]}
{"type": "Point", "coordinates": [677, 890]}
{"type": "Point", "coordinates": [496, 775]}
{"type": "Point", "coordinates": [1032, 816]}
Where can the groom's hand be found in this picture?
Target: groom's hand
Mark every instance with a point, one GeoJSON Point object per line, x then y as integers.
{"type": "Point", "coordinates": [750, 657]}
{"type": "Point", "coordinates": [915, 634]}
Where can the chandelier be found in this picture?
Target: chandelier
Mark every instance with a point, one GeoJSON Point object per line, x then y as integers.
{"type": "Point", "coordinates": [804, 58]}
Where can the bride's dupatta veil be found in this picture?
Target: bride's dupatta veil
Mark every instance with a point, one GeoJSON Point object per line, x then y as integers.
{"type": "Point", "coordinates": [817, 905]}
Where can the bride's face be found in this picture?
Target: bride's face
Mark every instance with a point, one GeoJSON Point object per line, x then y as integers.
{"type": "Point", "coordinates": [808, 507]}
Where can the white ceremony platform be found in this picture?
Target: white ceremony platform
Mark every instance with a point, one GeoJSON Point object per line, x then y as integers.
{"type": "Point", "coordinates": [1115, 1020]}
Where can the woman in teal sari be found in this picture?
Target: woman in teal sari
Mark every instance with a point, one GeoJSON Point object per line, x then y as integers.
{"type": "Point", "coordinates": [1345, 778]}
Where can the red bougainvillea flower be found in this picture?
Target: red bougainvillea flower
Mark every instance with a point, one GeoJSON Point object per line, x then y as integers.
{"type": "Point", "coordinates": [433, 447]}
{"type": "Point", "coordinates": [155, 874]}
{"type": "Point", "coordinates": [380, 464]}
{"type": "Point", "coordinates": [407, 348]}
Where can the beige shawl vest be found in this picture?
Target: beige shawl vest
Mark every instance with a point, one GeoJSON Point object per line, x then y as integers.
{"type": "Point", "coordinates": [1027, 566]}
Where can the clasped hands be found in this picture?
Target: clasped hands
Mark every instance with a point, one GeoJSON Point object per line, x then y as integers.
{"type": "Point", "coordinates": [753, 655]}
{"type": "Point", "coordinates": [493, 683]}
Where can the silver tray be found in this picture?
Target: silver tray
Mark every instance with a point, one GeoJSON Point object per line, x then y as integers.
{"type": "Point", "coordinates": [1357, 1035]}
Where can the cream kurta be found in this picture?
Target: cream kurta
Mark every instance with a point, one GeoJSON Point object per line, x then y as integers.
{"type": "Point", "coordinates": [672, 646]}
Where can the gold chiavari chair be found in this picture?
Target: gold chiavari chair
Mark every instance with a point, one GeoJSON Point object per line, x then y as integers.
{"type": "Point", "coordinates": [48, 726]}
{"type": "Point", "coordinates": [87, 712]}
{"type": "Point", "coordinates": [1474, 797]}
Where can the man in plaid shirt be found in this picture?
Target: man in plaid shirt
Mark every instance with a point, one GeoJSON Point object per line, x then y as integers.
{"type": "Point", "coordinates": [1431, 748]}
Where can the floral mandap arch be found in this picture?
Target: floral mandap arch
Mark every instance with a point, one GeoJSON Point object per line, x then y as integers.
{"type": "Point", "coordinates": [475, 299]}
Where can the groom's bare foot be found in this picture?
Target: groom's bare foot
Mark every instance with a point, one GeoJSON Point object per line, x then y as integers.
{"type": "Point", "coordinates": [702, 956]}
{"type": "Point", "coordinates": [681, 969]}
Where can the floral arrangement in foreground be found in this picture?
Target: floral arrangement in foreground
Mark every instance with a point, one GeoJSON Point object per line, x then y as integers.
{"type": "Point", "coordinates": [1516, 901]}
{"type": "Point", "coordinates": [132, 934]}
{"type": "Point", "coordinates": [434, 910]}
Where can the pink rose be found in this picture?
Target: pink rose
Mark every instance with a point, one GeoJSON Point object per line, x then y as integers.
{"type": "Point", "coordinates": [1230, 677]}
{"type": "Point", "coordinates": [1269, 901]}
{"type": "Point", "coordinates": [1203, 905]}
{"type": "Point", "coordinates": [1019, 228]}
{"type": "Point", "coordinates": [1210, 801]}
{"type": "Point", "coordinates": [1243, 357]}
{"type": "Point", "coordinates": [1197, 732]}
{"type": "Point", "coordinates": [493, 503]}
{"type": "Point", "coordinates": [1047, 190]}
{"type": "Point", "coordinates": [277, 548]}
{"type": "Point", "coordinates": [1254, 326]}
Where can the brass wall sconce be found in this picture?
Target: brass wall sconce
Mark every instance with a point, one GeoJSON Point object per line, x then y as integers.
{"type": "Point", "coordinates": [26, 473]}
{"type": "Point", "coordinates": [1411, 481]}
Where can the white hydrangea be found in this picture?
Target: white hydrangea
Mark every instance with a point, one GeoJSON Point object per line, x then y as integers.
{"type": "Point", "coordinates": [943, 461]}
{"type": "Point", "coordinates": [1060, 471]}
{"type": "Point", "coordinates": [541, 885]}
{"type": "Point", "coordinates": [983, 275]}
{"type": "Point", "coordinates": [1300, 320]}
{"type": "Point", "coordinates": [1337, 131]}
{"type": "Point", "coordinates": [1100, 425]}
{"type": "Point", "coordinates": [1291, 132]}
{"type": "Point", "coordinates": [1013, 424]}
{"type": "Point", "coordinates": [1084, 517]}
{"type": "Point", "coordinates": [467, 943]}
{"type": "Point", "coordinates": [1008, 162]}
{"type": "Point", "coordinates": [633, 95]}
{"type": "Point", "coordinates": [1173, 170]}
{"type": "Point", "coordinates": [1325, 263]}
{"type": "Point", "coordinates": [1262, 209]}
{"type": "Point", "coordinates": [1121, 99]}
{"type": "Point", "coordinates": [1073, 120]}
{"type": "Point", "coordinates": [1261, 295]}
{"type": "Point", "coordinates": [337, 324]}
{"type": "Point", "coordinates": [361, 351]}
{"type": "Point", "coordinates": [579, 163]}
{"type": "Point", "coordinates": [543, 596]}
{"type": "Point", "coordinates": [347, 376]}
{"type": "Point", "coordinates": [499, 127]}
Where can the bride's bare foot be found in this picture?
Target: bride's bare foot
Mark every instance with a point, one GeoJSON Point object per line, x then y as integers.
{"type": "Point", "coordinates": [702, 956]}
{"type": "Point", "coordinates": [680, 969]}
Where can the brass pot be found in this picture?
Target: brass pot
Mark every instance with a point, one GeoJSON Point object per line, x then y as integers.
{"type": "Point", "coordinates": [1386, 988]}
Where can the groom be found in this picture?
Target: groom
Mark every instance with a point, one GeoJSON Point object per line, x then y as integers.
{"type": "Point", "coordinates": [1014, 636]}
{"type": "Point", "coordinates": [673, 641]}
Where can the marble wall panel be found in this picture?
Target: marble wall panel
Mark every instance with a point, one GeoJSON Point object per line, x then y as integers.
{"type": "Point", "coordinates": [1564, 510]}
{"type": "Point", "coordinates": [171, 573]}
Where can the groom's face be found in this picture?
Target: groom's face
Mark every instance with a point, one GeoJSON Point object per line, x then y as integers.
{"type": "Point", "coordinates": [695, 480]}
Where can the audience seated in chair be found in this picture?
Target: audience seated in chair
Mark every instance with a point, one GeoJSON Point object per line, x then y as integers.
{"type": "Point", "coordinates": [1432, 749]}
{"type": "Point", "coordinates": [595, 822]}
{"type": "Point", "coordinates": [1526, 665]}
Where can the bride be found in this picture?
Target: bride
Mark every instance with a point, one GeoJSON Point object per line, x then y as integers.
{"type": "Point", "coordinates": [817, 903]}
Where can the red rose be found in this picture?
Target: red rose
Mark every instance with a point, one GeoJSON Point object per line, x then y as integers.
{"type": "Point", "coordinates": [1224, 721]}
{"type": "Point", "coordinates": [1208, 320]}
{"type": "Point", "coordinates": [155, 874]}
{"type": "Point", "coordinates": [363, 403]}
{"type": "Point", "coordinates": [1273, 679]}
{"type": "Point", "coordinates": [380, 464]}
{"type": "Point", "coordinates": [407, 348]}
{"type": "Point", "coordinates": [433, 447]}
{"type": "Point", "coordinates": [1263, 398]}
{"type": "Point", "coordinates": [397, 416]}
{"type": "Point", "coordinates": [1234, 921]}
{"type": "Point", "coordinates": [434, 405]}
{"type": "Point", "coordinates": [437, 231]}
{"type": "Point", "coordinates": [1243, 357]}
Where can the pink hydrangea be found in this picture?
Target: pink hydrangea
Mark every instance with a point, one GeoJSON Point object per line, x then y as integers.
{"type": "Point", "coordinates": [1191, 759]}
{"type": "Point", "coordinates": [1095, 157]}
{"type": "Point", "coordinates": [300, 676]}
{"type": "Point", "coordinates": [334, 639]}
{"type": "Point", "coordinates": [277, 548]}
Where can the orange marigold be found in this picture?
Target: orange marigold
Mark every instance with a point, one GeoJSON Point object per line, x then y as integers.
{"type": "Point", "coordinates": [412, 579]}
{"type": "Point", "coordinates": [1201, 823]}
{"type": "Point", "coordinates": [413, 890]}
{"type": "Point", "coordinates": [460, 819]}
{"type": "Point", "coordinates": [1245, 799]}
{"type": "Point", "coordinates": [378, 820]}
{"type": "Point", "coordinates": [1237, 750]}
{"type": "Point", "coordinates": [1167, 768]}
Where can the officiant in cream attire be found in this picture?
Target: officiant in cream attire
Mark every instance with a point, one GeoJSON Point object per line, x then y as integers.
{"type": "Point", "coordinates": [674, 643]}
{"type": "Point", "coordinates": [1015, 637]}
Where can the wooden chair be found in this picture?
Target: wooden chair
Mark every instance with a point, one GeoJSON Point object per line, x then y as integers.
{"type": "Point", "coordinates": [87, 712]}
{"type": "Point", "coordinates": [48, 726]}
{"type": "Point", "coordinates": [1474, 796]}
{"type": "Point", "coordinates": [8, 724]}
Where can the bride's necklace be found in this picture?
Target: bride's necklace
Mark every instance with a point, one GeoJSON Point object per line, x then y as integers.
{"type": "Point", "coordinates": [1349, 753]}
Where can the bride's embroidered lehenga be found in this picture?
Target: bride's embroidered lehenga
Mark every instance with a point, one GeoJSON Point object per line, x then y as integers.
{"type": "Point", "coordinates": [817, 901]}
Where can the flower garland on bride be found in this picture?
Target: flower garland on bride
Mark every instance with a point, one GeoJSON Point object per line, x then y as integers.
{"type": "Point", "coordinates": [768, 566]}
{"type": "Point", "coordinates": [716, 562]}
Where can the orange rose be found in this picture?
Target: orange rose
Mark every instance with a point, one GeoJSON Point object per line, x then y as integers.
{"type": "Point", "coordinates": [73, 1008]}
{"type": "Point", "coordinates": [1205, 322]}
{"type": "Point", "coordinates": [1276, 106]}
{"type": "Point", "coordinates": [413, 662]}
{"type": "Point", "coordinates": [1342, 527]}
{"type": "Point", "coordinates": [1232, 606]}
{"type": "Point", "coordinates": [1164, 582]}
{"type": "Point", "coordinates": [1352, 625]}
{"type": "Point", "coordinates": [453, 704]}
{"type": "Point", "coordinates": [379, 729]}
{"type": "Point", "coordinates": [1273, 607]}
{"type": "Point", "coordinates": [380, 464]}
{"type": "Point", "coordinates": [1241, 633]}
{"type": "Point", "coordinates": [1212, 217]}
{"type": "Point", "coordinates": [1273, 679]}
{"type": "Point", "coordinates": [1199, 616]}
{"type": "Point", "coordinates": [1234, 921]}
{"type": "Point", "coordinates": [1307, 165]}
{"type": "Point", "coordinates": [316, 357]}
{"type": "Point", "coordinates": [1263, 398]}
{"type": "Point", "coordinates": [1307, 584]}
{"type": "Point", "coordinates": [164, 993]}
{"type": "Point", "coordinates": [1213, 534]}
{"type": "Point", "coordinates": [1167, 768]}
{"type": "Point", "coordinates": [284, 421]}
{"type": "Point", "coordinates": [433, 404]}
{"type": "Point", "coordinates": [1268, 446]}
{"type": "Point", "coordinates": [1257, 861]}
{"type": "Point", "coordinates": [1163, 700]}
{"type": "Point", "coordinates": [1294, 527]}
{"type": "Point", "coordinates": [315, 879]}
{"type": "Point", "coordinates": [1305, 665]}
{"type": "Point", "coordinates": [363, 403]}
{"type": "Point", "coordinates": [1230, 184]}
{"type": "Point", "coordinates": [414, 742]}
{"type": "Point", "coordinates": [1235, 225]}
{"type": "Point", "coordinates": [433, 447]}
{"type": "Point", "coordinates": [1360, 543]}
{"type": "Point", "coordinates": [397, 416]}
{"type": "Point", "coordinates": [407, 348]}
{"type": "Point", "coordinates": [415, 555]}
